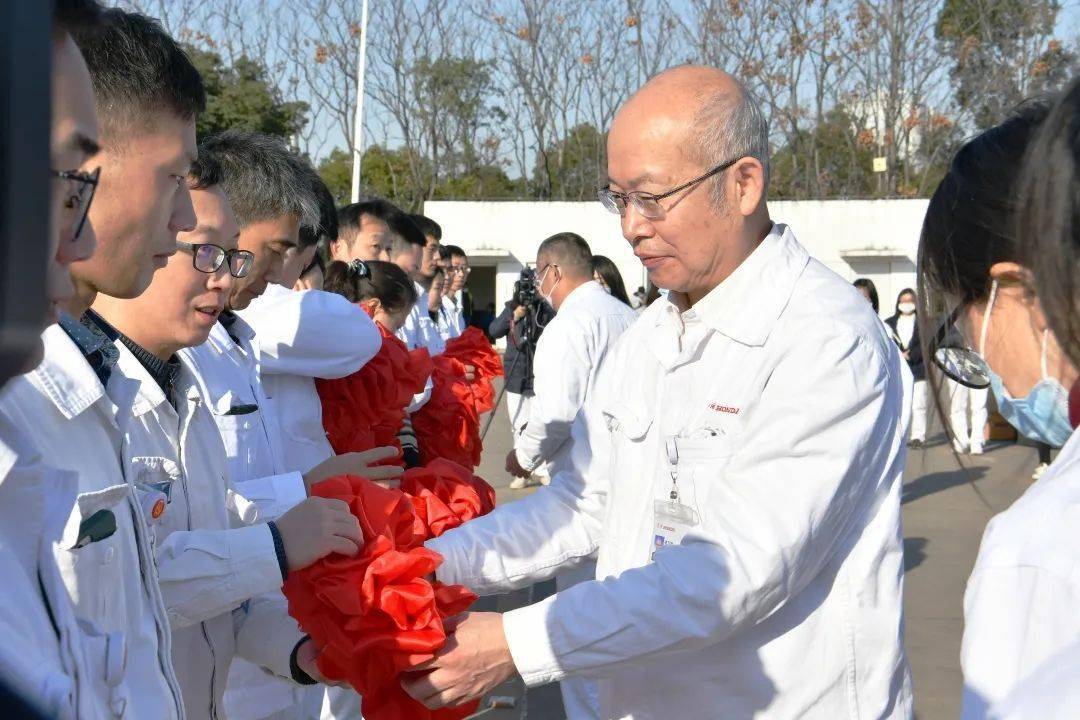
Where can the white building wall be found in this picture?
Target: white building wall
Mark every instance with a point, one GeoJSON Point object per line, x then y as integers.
{"type": "Point", "coordinates": [856, 238]}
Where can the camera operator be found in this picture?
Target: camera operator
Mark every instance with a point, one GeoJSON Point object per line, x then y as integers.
{"type": "Point", "coordinates": [521, 322]}
{"type": "Point", "coordinates": [566, 361]}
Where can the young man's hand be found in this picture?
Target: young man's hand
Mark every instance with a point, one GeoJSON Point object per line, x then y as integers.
{"type": "Point", "coordinates": [357, 463]}
{"type": "Point", "coordinates": [317, 527]}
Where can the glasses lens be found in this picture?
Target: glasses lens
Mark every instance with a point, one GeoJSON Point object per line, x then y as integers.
{"type": "Point", "coordinates": [649, 207]}
{"type": "Point", "coordinates": [611, 201]}
{"type": "Point", "coordinates": [240, 263]}
{"type": "Point", "coordinates": [208, 258]}
{"type": "Point", "coordinates": [84, 197]}
{"type": "Point", "coordinates": [963, 365]}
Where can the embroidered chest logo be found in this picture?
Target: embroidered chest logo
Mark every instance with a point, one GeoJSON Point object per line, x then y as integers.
{"type": "Point", "coordinates": [724, 409]}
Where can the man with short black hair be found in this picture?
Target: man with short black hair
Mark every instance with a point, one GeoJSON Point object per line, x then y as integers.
{"type": "Point", "coordinates": [276, 195]}
{"type": "Point", "coordinates": [363, 233]}
{"type": "Point", "coordinates": [147, 95]}
{"type": "Point", "coordinates": [47, 655]}
{"type": "Point", "coordinates": [411, 251]}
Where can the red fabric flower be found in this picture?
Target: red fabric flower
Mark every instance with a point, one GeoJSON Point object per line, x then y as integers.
{"type": "Point", "coordinates": [375, 615]}
{"type": "Point", "coordinates": [448, 426]}
{"type": "Point", "coordinates": [366, 409]}
{"type": "Point", "coordinates": [446, 495]}
{"type": "Point", "coordinates": [472, 348]}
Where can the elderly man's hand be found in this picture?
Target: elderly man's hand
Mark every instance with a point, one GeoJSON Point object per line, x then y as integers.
{"type": "Point", "coordinates": [514, 467]}
{"type": "Point", "coordinates": [474, 661]}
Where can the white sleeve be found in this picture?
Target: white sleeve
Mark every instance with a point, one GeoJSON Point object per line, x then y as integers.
{"type": "Point", "coordinates": [561, 376]}
{"type": "Point", "coordinates": [266, 498]}
{"type": "Point", "coordinates": [311, 333]}
{"type": "Point", "coordinates": [749, 554]}
{"type": "Point", "coordinates": [266, 635]}
{"type": "Point", "coordinates": [204, 573]}
{"type": "Point", "coordinates": [1015, 617]}
{"type": "Point", "coordinates": [526, 541]}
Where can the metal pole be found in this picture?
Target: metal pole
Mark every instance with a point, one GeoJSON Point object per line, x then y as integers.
{"type": "Point", "coordinates": [358, 121]}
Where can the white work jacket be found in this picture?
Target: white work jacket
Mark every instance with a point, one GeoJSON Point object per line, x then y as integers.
{"type": "Point", "coordinates": [419, 331]}
{"type": "Point", "coordinates": [1020, 607]}
{"type": "Point", "coordinates": [113, 582]}
{"type": "Point", "coordinates": [451, 317]}
{"type": "Point", "coordinates": [1050, 692]}
{"type": "Point", "coordinates": [300, 336]}
{"type": "Point", "coordinates": [568, 359]}
{"type": "Point", "coordinates": [209, 564]}
{"type": "Point", "coordinates": [227, 373]}
{"type": "Point", "coordinates": [55, 661]}
{"type": "Point", "coordinates": [777, 403]}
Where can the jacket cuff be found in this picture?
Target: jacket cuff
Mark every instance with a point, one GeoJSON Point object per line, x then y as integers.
{"type": "Point", "coordinates": [526, 461]}
{"type": "Point", "coordinates": [529, 641]}
{"type": "Point", "coordinates": [254, 559]}
{"type": "Point", "coordinates": [267, 498]}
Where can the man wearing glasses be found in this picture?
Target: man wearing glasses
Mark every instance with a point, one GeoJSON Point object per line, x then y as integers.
{"type": "Point", "coordinates": [747, 522]}
{"type": "Point", "coordinates": [454, 301]}
{"type": "Point", "coordinates": [172, 444]}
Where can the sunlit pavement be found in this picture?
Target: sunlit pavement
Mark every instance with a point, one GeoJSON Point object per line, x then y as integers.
{"type": "Point", "coordinates": [946, 509]}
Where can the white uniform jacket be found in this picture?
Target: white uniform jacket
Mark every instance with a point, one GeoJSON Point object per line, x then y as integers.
{"type": "Point", "coordinates": [418, 330]}
{"type": "Point", "coordinates": [227, 373]}
{"type": "Point", "coordinates": [776, 409]}
{"type": "Point", "coordinates": [1021, 603]}
{"type": "Point", "coordinates": [451, 317]}
{"type": "Point", "coordinates": [55, 661]}
{"type": "Point", "coordinates": [208, 563]}
{"type": "Point", "coordinates": [300, 336]}
{"type": "Point", "coordinates": [1050, 692]}
{"type": "Point", "coordinates": [113, 582]}
{"type": "Point", "coordinates": [568, 359]}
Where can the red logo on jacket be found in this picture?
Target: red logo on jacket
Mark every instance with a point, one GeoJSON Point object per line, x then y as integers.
{"type": "Point", "coordinates": [724, 409]}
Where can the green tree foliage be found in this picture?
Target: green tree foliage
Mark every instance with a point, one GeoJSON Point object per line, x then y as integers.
{"type": "Point", "coordinates": [574, 167]}
{"type": "Point", "coordinates": [242, 97]}
{"type": "Point", "coordinates": [1001, 51]}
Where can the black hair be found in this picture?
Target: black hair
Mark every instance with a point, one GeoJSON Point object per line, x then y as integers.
{"type": "Point", "coordinates": [1049, 219]}
{"type": "Point", "coordinates": [970, 223]}
{"type": "Point", "coordinates": [138, 70]}
{"type": "Point", "coordinates": [405, 232]}
{"type": "Point", "coordinates": [570, 251]}
{"type": "Point", "coordinates": [605, 268]}
{"type": "Point", "coordinates": [453, 251]}
{"type": "Point", "coordinates": [350, 216]}
{"type": "Point", "coordinates": [328, 216]}
{"type": "Point", "coordinates": [427, 226]}
{"type": "Point", "coordinates": [902, 293]}
{"type": "Point", "coordinates": [359, 280]}
{"type": "Point", "coordinates": [871, 289]}
{"type": "Point", "coordinates": [71, 16]}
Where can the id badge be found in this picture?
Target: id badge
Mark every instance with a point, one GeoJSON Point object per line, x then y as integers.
{"type": "Point", "coordinates": [672, 520]}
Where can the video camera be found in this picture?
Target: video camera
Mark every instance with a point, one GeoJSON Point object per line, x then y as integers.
{"type": "Point", "coordinates": [525, 287]}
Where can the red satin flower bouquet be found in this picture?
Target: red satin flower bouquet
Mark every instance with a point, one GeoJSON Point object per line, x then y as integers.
{"type": "Point", "coordinates": [366, 409]}
{"type": "Point", "coordinates": [448, 426]}
{"type": "Point", "coordinates": [376, 615]}
{"type": "Point", "coordinates": [473, 348]}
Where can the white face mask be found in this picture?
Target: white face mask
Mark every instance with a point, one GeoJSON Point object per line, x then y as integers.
{"type": "Point", "coordinates": [906, 308]}
{"type": "Point", "coordinates": [540, 284]}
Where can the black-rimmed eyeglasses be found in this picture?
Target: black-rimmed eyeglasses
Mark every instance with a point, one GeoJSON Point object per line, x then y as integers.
{"type": "Point", "coordinates": [954, 358]}
{"type": "Point", "coordinates": [646, 203]}
{"type": "Point", "coordinates": [84, 185]}
{"type": "Point", "coordinates": [208, 258]}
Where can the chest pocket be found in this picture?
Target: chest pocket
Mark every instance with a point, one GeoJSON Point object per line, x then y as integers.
{"type": "Point", "coordinates": [626, 422]}
{"type": "Point", "coordinates": [239, 421]}
{"type": "Point", "coordinates": [95, 556]}
{"type": "Point", "coordinates": [155, 480]}
{"type": "Point", "coordinates": [703, 459]}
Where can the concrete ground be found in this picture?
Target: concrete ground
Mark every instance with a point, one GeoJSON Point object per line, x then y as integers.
{"type": "Point", "coordinates": [946, 508]}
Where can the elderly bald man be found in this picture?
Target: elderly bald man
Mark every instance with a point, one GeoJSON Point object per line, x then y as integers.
{"type": "Point", "coordinates": [747, 525]}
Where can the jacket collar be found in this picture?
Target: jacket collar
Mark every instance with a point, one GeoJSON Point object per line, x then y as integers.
{"type": "Point", "coordinates": [148, 394]}
{"type": "Point", "coordinates": [221, 336]}
{"type": "Point", "coordinates": [65, 376]}
{"type": "Point", "coordinates": [94, 337]}
{"type": "Point", "coordinates": [580, 295]}
{"type": "Point", "coordinates": [746, 305]}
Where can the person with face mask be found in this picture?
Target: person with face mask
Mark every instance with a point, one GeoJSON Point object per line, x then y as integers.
{"type": "Point", "coordinates": [905, 333]}
{"type": "Point", "coordinates": [1020, 603]}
